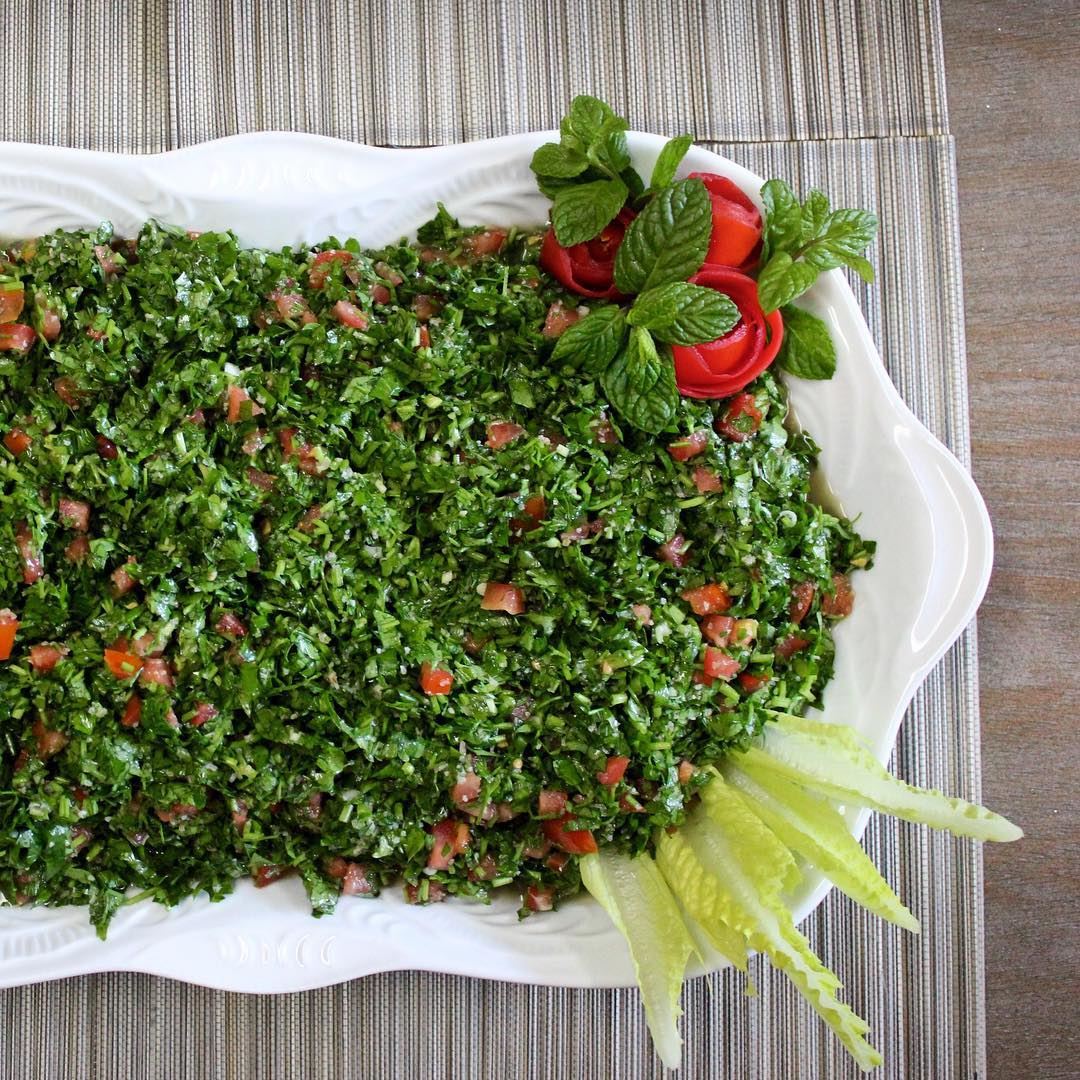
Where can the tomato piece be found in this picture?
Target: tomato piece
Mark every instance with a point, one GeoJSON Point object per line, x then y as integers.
{"type": "Point", "coordinates": [106, 260]}
{"type": "Point", "coordinates": [156, 672]}
{"type": "Point", "coordinates": [75, 514]}
{"type": "Point", "coordinates": [551, 803]}
{"type": "Point", "coordinates": [741, 419]}
{"type": "Point", "coordinates": [268, 873]}
{"type": "Point", "coordinates": [574, 841]}
{"type": "Point", "coordinates": [204, 712]}
{"type": "Point", "coordinates": [17, 441]}
{"type": "Point", "coordinates": [643, 614]}
{"type": "Point", "coordinates": [322, 265]}
{"type": "Point", "coordinates": [425, 307]}
{"type": "Point", "coordinates": [448, 839]}
{"type": "Point", "coordinates": [751, 682]}
{"type": "Point", "coordinates": [533, 513]}
{"type": "Point", "coordinates": [237, 398]}
{"type": "Point", "coordinates": [50, 320]}
{"type": "Point", "coordinates": [124, 665]}
{"type": "Point", "coordinates": [436, 893]}
{"type": "Point", "coordinates": [349, 315]}
{"type": "Point", "coordinates": [559, 319]}
{"type": "Point", "coordinates": [743, 633]}
{"type": "Point", "coordinates": [718, 665]}
{"type": "Point", "coordinates": [802, 596]}
{"type": "Point", "coordinates": [32, 566]}
{"type": "Point", "coordinates": [674, 551]}
{"type": "Point", "coordinates": [68, 391]}
{"type": "Point", "coordinates": [435, 681]}
{"type": "Point", "coordinates": [9, 627]}
{"type": "Point", "coordinates": [686, 771]}
{"type": "Point", "coordinates": [613, 771]}
{"type": "Point", "coordinates": [706, 481]}
{"type": "Point", "coordinates": [690, 446]}
{"type": "Point", "coordinates": [716, 629]}
{"type": "Point", "coordinates": [49, 742]}
{"type": "Point", "coordinates": [502, 597]}
{"type": "Point", "coordinates": [388, 273]}
{"type": "Point", "coordinates": [380, 294]}
{"type": "Point", "coordinates": [786, 649]}
{"type": "Point", "coordinates": [291, 306]}
{"type": "Point", "coordinates": [540, 898]}
{"type": "Point", "coordinates": [839, 604]}
{"type": "Point", "coordinates": [312, 514]}
{"type": "Point", "coordinates": [122, 581]}
{"type": "Point", "coordinates": [352, 875]}
{"type": "Point", "coordinates": [502, 433]}
{"type": "Point", "coordinates": [424, 336]}
{"type": "Point", "coordinates": [43, 658]}
{"type": "Point", "coordinates": [486, 243]}
{"type": "Point", "coordinates": [708, 599]}
{"type": "Point", "coordinates": [12, 299]}
{"type": "Point", "coordinates": [466, 790]}
{"type": "Point", "coordinates": [228, 625]}
{"type": "Point", "coordinates": [16, 337]}
{"type": "Point", "coordinates": [132, 712]}
{"type": "Point", "coordinates": [77, 550]}
{"type": "Point", "coordinates": [264, 481]}
{"type": "Point", "coordinates": [106, 449]}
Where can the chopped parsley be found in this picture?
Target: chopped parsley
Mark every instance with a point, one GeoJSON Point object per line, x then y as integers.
{"type": "Point", "coordinates": [296, 506]}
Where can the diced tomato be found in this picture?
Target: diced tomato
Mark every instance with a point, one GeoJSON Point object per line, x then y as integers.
{"type": "Point", "coordinates": [16, 337]}
{"type": "Point", "coordinates": [501, 433]}
{"type": "Point", "coordinates": [237, 397]}
{"type": "Point", "coordinates": [17, 441]}
{"type": "Point", "coordinates": [355, 881]}
{"type": "Point", "coordinates": [43, 658]}
{"type": "Point", "coordinates": [613, 772]}
{"type": "Point", "coordinates": [691, 446]}
{"type": "Point", "coordinates": [77, 550]}
{"type": "Point", "coordinates": [228, 625]}
{"type": "Point", "coordinates": [349, 315]}
{"type": "Point", "coordinates": [741, 419]}
{"type": "Point", "coordinates": [9, 627]}
{"type": "Point", "coordinates": [487, 869]}
{"type": "Point", "coordinates": [686, 771]}
{"type": "Point", "coordinates": [291, 306]}
{"type": "Point", "coordinates": [839, 605]}
{"type": "Point", "coordinates": [253, 442]}
{"type": "Point", "coordinates": [706, 481]}
{"type": "Point", "coordinates": [32, 566]}
{"type": "Point", "coordinates": [106, 449]}
{"type": "Point", "coordinates": [540, 898]}
{"type": "Point", "coordinates": [501, 597]}
{"type": "Point", "coordinates": [718, 665]}
{"type": "Point", "coordinates": [559, 320]}
{"type": "Point", "coordinates": [380, 294]}
{"type": "Point", "coordinates": [582, 531]}
{"type": "Point", "coordinates": [604, 432]}
{"type": "Point", "coordinates": [435, 681]}
{"type": "Point", "coordinates": [264, 481]}
{"type": "Point", "coordinates": [575, 841]}
{"type": "Point", "coordinates": [50, 321]}
{"type": "Point", "coordinates": [802, 596]}
{"type": "Point", "coordinates": [674, 551]}
{"type": "Point", "coordinates": [533, 513]}
{"type": "Point", "coordinates": [466, 790]}
{"type": "Point", "coordinates": [486, 243]}
{"type": "Point", "coordinates": [11, 303]}
{"type": "Point", "coordinates": [204, 712]}
{"type": "Point", "coordinates": [156, 672]}
{"type": "Point", "coordinates": [388, 273]}
{"type": "Point", "coordinates": [96, 335]}
{"type": "Point", "coordinates": [240, 815]}
{"type": "Point", "coordinates": [751, 682]}
{"type": "Point", "coordinates": [538, 850]}
{"type": "Point", "coordinates": [716, 629]}
{"type": "Point", "coordinates": [322, 264]}
{"type": "Point", "coordinates": [132, 712]}
{"type": "Point", "coordinates": [198, 418]}
{"type": "Point", "coordinates": [123, 582]}
{"type": "Point", "coordinates": [448, 838]}
{"type": "Point", "coordinates": [124, 665]}
{"type": "Point", "coordinates": [551, 803]}
{"type": "Point", "coordinates": [67, 390]}
{"type": "Point", "coordinates": [424, 336]}
{"type": "Point", "coordinates": [708, 599]}
{"type": "Point", "coordinates": [268, 873]}
{"type": "Point", "coordinates": [436, 893]}
{"type": "Point", "coordinates": [643, 613]}
{"type": "Point", "coordinates": [743, 633]}
{"type": "Point", "coordinates": [786, 649]}
{"type": "Point", "coordinates": [75, 514]}
{"type": "Point", "coordinates": [425, 307]}
{"type": "Point", "coordinates": [49, 742]}
{"type": "Point", "coordinates": [106, 260]}
{"type": "Point", "coordinates": [307, 523]}
{"type": "Point", "coordinates": [557, 861]}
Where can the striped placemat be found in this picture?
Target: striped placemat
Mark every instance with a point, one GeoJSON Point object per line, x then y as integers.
{"type": "Point", "coordinates": [841, 93]}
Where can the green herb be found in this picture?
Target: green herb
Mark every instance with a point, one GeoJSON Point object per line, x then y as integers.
{"type": "Point", "coordinates": [684, 314]}
{"type": "Point", "coordinates": [807, 349]}
{"type": "Point", "coordinates": [594, 341]}
{"type": "Point", "coordinates": [668, 161]}
{"type": "Point", "coordinates": [640, 384]}
{"type": "Point", "coordinates": [801, 241]}
{"type": "Point", "coordinates": [580, 212]}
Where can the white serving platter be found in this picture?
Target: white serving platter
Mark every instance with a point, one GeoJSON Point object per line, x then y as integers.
{"type": "Point", "coordinates": [933, 561]}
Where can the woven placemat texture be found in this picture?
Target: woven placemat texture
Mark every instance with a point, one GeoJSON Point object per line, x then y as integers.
{"type": "Point", "coordinates": [845, 94]}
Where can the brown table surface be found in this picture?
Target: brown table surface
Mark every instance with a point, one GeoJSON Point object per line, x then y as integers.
{"type": "Point", "coordinates": [1014, 99]}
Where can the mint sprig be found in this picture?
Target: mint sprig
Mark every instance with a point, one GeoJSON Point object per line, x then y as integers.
{"type": "Point", "coordinates": [640, 384]}
{"type": "Point", "coordinates": [801, 240]}
{"type": "Point", "coordinates": [807, 349]}
{"type": "Point", "coordinates": [684, 314]}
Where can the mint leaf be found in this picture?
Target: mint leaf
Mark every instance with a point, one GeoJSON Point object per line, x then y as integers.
{"type": "Point", "coordinates": [783, 217]}
{"type": "Point", "coordinates": [580, 212]}
{"type": "Point", "coordinates": [842, 236]}
{"type": "Point", "coordinates": [684, 314]}
{"type": "Point", "coordinates": [594, 341]}
{"type": "Point", "coordinates": [863, 268]}
{"type": "Point", "coordinates": [584, 122]}
{"type": "Point", "coordinates": [608, 151]}
{"type": "Point", "coordinates": [640, 384]}
{"type": "Point", "coordinates": [561, 162]}
{"type": "Point", "coordinates": [782, 280]}
{"type": "Point", "coordinates": [807, 349]}
{"type": "Point", "coordinates": [815, 212]}
{"type": "Point", "coordinates": [674, 150]}
{"type": "Point", "coordinates": [668, 240]}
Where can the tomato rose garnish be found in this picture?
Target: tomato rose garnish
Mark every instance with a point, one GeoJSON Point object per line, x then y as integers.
{"type": "Point", "coordinates": [720, 368]}
{"type": "Point", "coordinates": [589, 268]}
{"type": "Point", "coordinates": [736, 227]}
